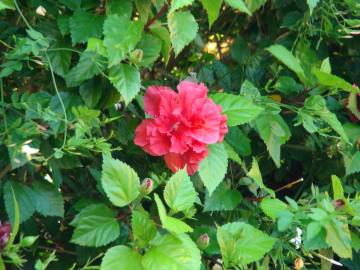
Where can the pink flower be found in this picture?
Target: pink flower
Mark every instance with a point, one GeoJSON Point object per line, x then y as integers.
{"type": "Point", "coordinates": [181, 125]}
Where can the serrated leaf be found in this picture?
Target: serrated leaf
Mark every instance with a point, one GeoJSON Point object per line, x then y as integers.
{"type": "Point", "coordinates": [352, 163]}
{"type": "Point", "coordinates": [238, 141]}
{"type": "Point", "coordinates": [213, 168]}
{"type": "Point", "coordinates": [183, 29]}
{"type": "Point", "coordinates": [89, 65]}
{"type": "Point", "coordinates": [126, 80]}
{"type": "Point", "coordinates": [288, 59]}
{"type": "Point", "coordinates": [163, 34]}
{"type": "Point", "coordinates": [120, 37]}
{"type": "Point", "coordinates": [212, 8]}
{"type": "Point", "coordinates": [25, 199]}
{"type": "Point", "coordinates": [239, 4]}
{"type": "Point", "coordinates": [120, 182]}
{"type": "Point", "coordinates": [143, 228]}
{"type": "Point", "coordinates": [273, 207]}
{"type": "Point", "coordinates": [338, 237]}
{"type": "Point", "coordinates": [151, 47]}
{"type": "Point", "coordinates": [223, 199]}
{"type": "Point", "coordinates": [238, 109]}
{"type": "Point", "coordinates": [255, 174]}
{"type": "Point", "coordinates": [274, 131]}
{"type": "Point", "coordinates": [171, 224]}
{"type": "Point", "coordinates": [177, 4]}
{"type": "Point", "coordinates": [121, 258]}
{"type": "Point", "coordinates": [95, 226]}
{"type": "Point", "coordinates": [241, 244]}
{"type": "Point", "coordinates": [84, 25]}
{"type": "Point", "coordinates": [60, 59]}
{"type": "Point", "coordinates": [123, 8]}
{"type": "Point", "coordinates": [312, 4]}
{"type": "Point", "coordinates": [179, 192]}
{"type": "Point", "coordinates": [333, 81]}
{"type": "Point", "coordinates": [49, 200]}
{"type": "Point", "coordinates": [172, 252]}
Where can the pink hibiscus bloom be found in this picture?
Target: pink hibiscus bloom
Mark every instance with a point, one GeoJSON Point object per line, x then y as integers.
{"type": "Point", "coordinates": [181, 125]}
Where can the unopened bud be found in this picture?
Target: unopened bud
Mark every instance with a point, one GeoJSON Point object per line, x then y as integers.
{"type": "Point", "coordinates": [5, 230]}
{"type": "Point", "coordinates": [203, 241]}
{"type": "Point", "coordinates": [299, 264]}
{"type": "Point", "coordinates": [146, 186]}
{"type": "Point", "coordinates": [28, 241]}
{"type": "Point", "coordinates": [136, 56]}
{"type": "Point", "coordinates": [339, 203]}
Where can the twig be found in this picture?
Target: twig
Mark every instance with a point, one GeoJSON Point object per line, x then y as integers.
{"type": "Point", "coordinates": [60, 250]}
{"type": "Point", "coordinates": [158, 15]}
{"type": "Point", "coordinates": [5, 171]}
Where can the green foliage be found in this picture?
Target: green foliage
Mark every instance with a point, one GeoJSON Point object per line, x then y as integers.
{"type": "Point", "coordinates": [282, 185]}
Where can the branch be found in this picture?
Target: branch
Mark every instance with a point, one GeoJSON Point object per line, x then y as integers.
{"type": "Point", "coordinates": [158, 15]}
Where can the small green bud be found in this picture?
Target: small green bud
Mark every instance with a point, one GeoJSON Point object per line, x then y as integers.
{"type": "Point", "coordinates": [136, 56]}
{"type": "Point", "coordinates": [203, 241]}
{"type": "Point", "coordinates": [146, 186]}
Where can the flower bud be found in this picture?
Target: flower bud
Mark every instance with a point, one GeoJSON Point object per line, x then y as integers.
{"type": "Point", "coordinates": [339, 203]}
{"type": "Point", "coordinates": [136, 56]}
{"type": "Point", "coordinates": [203, 241]}
{"type": "Point", "coordinates": [299, 264]}
{"type": "Point", "coordinates": [146, 186]}
{"type": "Point", "coordinates": [5, 230]}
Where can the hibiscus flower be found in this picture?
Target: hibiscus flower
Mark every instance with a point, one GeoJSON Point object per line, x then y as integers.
{"type": "Point", "coordinates": [181, 125]}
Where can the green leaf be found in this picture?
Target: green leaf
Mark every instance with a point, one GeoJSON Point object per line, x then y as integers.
{"type": "Point", "coordinates": [213, 168]}
{"type": "Point", "coordinates": [84, 25]}
{"type": "Point", "coordinates": [171, 224]}
{"type": "Point", "coordinates": [333, 81]}
{"type": "Point", "coordinates": [25, 200]}
{"type": "Point", "coordinates": [352, 163]}
{"type": "Point", "coordinates": [49, 200]}
{"type": "Point", "coordinates": [273, 208]}
{"type": "Point", "coordinates": [223, 199]}
{"type": "Point", "coordinates": [151, 47]}
{"type": "Point", "coordinates": [172, 252]}
{"type": "Point", "coordinates": [238, 141]}
{"type": "Point", "coordinates": [241, 244]}
{"type": "Point", "coordinates": [120, 37]}
{"type": "Point", "coordinates": [240, 50]}
{"type": "Point", "coordinates": [177, 4]}
{"type": "Point", "coordinates": [353, 105]}
{"type": "Point", "coordinates": [120, 182]}
{"type": "Point", "coordinates": [255, 174]}
{"type": "Point", "coordinates": [288, 59]}
{"type": "Point", "coordinates": [312, 4]}
{"type": "Point", "coordinates": [95, 226]}
{"type": "Point", "coordinates": [274, 131]}
{"type": "Point", "coordinates": [337, 188]}
{"type": "Point", "coordinates": [238, 109]}
{"type": "Point", "coordinates": [143, 228]}
{"type": "Point", "coordinates": [338, 237]}
{"type": "Point", "coordinates": [163, 34]}
{"type": "Point", "coordinates": [121, 258]}
{"type": "Point", "coordinates": [288, 85]}
{"type": "Point", "coordinates": [126, 79]}
{"type": "Point", "coordinates": [7, 4]}
{"type": "Point", "coordinates": [15, 222]}
{"type": "Point", "coordinates": [179, 192]}
{"type": "Point", "coordinates": [60, 61]}
{"type": "Point", "coordinates": [238, 4]}
{"type": "Point", "coordinates": [123, 8]}
{"type": "Point", "coordinates": [212, 8]}
{"type": "Point", "coordinates": [254, 5]}
{"type": "Point", "coordinates": [183, 28]}
{"type": "Point", "coordinates": [89, 65]}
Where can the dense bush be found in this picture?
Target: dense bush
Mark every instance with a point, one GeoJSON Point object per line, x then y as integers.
{"type": "Point", "coordinates": [253, 163]}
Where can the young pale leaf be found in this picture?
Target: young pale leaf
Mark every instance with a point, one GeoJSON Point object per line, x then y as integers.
{"type": "Point", "coordinates": [49, 200]}
{"type": "Point", "coordinates": [4, 4]}
{"type": "Point", "coordinates": [337, 188]}
{"type": "Point", "coordinates": [183, 28]}
{"type": "Point", "coordinates": [239, 4]}
{"type": "Point", "coordinates": [95, 226]}
{"type": "Point", "coordinates": [333, 81]}
{"type": "Point", "coordinates": [120, 182]}
{"type": "Point", "coordinates": [212, 8]}
{"type": "Point", "coordinates": [171, 224]}
{"type": "Point", "coordinates": [121, 258]}
{"type": "Point", "coordinates": [84, 25]}
{"type": "Point", "coordinates": [288, 59]}
{"type": "Point", "coordinates": [274, 131]}
{"type": "Point", "coordinates": [238, 109]}
{"type": "Point", "coordinates": [177, 4]}
{"type": "Point", "coordinates": [338, 237]}
{"type": "Point", "coordinates": [222, 199]}
{"type": "Point", "coordinates": [213, 168]}
{"type": "Point", "coordinates": [143, 228]}
{"type": "Point", "coordinates": [312, 4]}
{"type": "Point", "coordinates": [126, 79]}
{"type": "Point", "coordinates": [179, 192]}
{"type": "Point", "coordinates": [241, 244]}
{"type": "Point", "coordinates": [25, 199]}
{"type": "Point", "coordinates": [172, 252]}
{"type": "Point", "coordinates": [255, 174]}
{"type": "Point", "coordinates": [273, 208]}
{"type": "Point", "coordinates": [89, 65]}
{"type": "Point", "coordinates": [120, 37]}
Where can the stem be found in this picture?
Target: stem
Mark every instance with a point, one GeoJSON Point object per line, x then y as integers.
{"type": "Point", "coordinates": [22, 15]}
{"type": "Point", "coordinates": [3, 103]}
{"type": "Point", "coordinates": [158, 15]}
